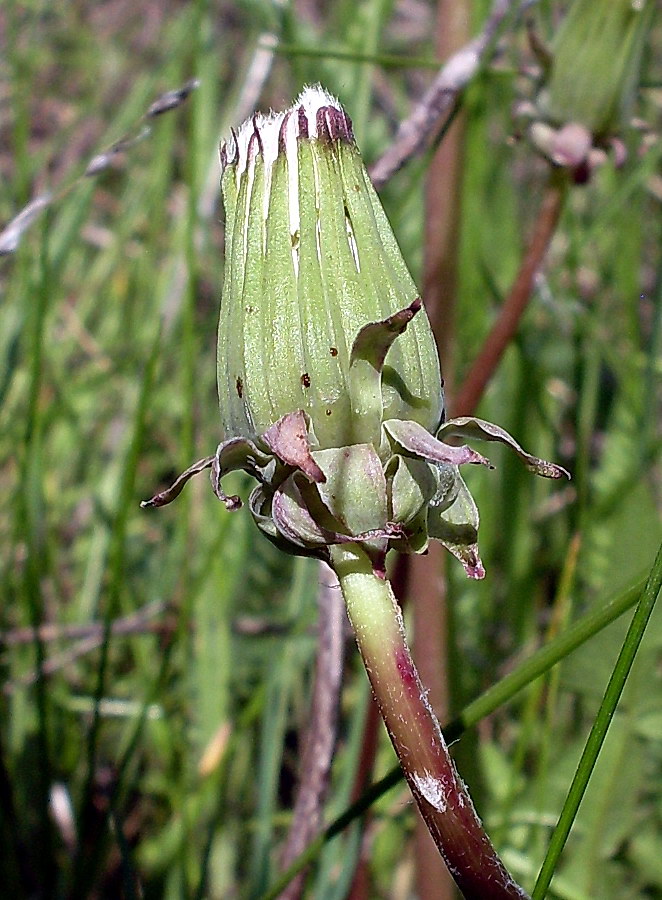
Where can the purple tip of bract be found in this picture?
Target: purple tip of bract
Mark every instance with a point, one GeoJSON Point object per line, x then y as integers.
{"type": "Point", "coordinates": [333, 124]}
{"type": "Point", "coordinates": [254, 145]}
{"type": "Point", "coordinates": [302, 122]}
{"type": "Point", "coordinates": [474, 568]}
{"type": "Point", "coordinates": [257, 136]}
{"type": "Point", "coordinates": [282, 132]}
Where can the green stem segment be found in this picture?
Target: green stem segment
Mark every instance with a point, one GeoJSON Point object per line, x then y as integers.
{"type": "Point", "coordinates": [415, 732]}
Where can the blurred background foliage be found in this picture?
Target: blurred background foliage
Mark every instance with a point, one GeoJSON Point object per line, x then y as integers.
{"type": "Point", "coordinates": [161, 760]}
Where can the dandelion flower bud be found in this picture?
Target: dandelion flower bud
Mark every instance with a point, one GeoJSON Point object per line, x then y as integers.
{"type": "Point", "coordinates": [310, 261]}
{"type": "Point", "coordinates": [328, 376]}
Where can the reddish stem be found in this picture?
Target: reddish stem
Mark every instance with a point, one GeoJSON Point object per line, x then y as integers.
{"type": "Point", "coordinates": [360, 889]}
{"type": "Point", "coordinates": [414, 730]}
{"type": "Point", "coordinates": [506, 325]}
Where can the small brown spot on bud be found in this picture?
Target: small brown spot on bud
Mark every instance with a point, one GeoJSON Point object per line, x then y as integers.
{"type": "Point", "coordinates": [240, 387]}
{"type": "Point", "coordinates": [305, 380]}
{"type": "Point", "coordinates": [328, 412]}
{"type": "Point", "coordinates": [334, 351]}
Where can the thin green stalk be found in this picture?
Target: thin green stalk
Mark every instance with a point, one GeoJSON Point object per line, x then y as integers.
{"type": "Point", "coordinates": [33, 534]}
{"type": "Point", "coordinates": [497, 695]}
{"type": "Point", "coordinates": [651, 376]}
{"type": "Point", "coordinates": [372, 18]}
{"type": "Point", "coordinates": [191, 255]}
{"type": "Point", "coordinates": [562, 611]}
{"type": "Point", "coordinates": [586, 413]}
{"type": "Point", "coordinates": [543, 660]}
{"type": "Point", "coordinates": [441, 796]}
{"type": "Point", "coordinates": [283, 675]}
{"type": "Point", "coordinates": [529, 717]}
{"type": "Point", "coordinates": [600, 727]}
{"type": "Point", "coordinates": [86, 858]}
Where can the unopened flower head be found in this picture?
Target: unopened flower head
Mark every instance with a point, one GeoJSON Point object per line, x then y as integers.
{"type": "Point", "coordinates": [310, 260]}
{"type": "Point", "coordinates": [592, 75]}
{"type": "Point", "coordinates": [328, 375]}
{"type": "Point", "coordinates": [596, 63]}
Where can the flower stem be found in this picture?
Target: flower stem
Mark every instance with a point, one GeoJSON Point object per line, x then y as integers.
{"type": "Point", "coordinates": [415, 732]}
{"type": "Point", "coordinates": [510, 314]}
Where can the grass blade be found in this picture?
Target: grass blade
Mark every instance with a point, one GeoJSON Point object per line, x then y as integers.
{"type": "Point", "coordinates": [598, 733]}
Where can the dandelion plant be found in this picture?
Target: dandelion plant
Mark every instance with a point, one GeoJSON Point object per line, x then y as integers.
{"type": "Point", "coordinates": [331, 398]}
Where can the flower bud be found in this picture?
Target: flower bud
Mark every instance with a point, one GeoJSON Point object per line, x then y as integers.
{"type": "Point", "coordinates": [595, 64]}
{"type": "Point", "coordinates": [310, 261]}
{"type": "Point", "coordinates": [328, 375]}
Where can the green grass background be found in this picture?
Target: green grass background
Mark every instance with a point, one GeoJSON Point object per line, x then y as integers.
{"type": "Point", "coordinates": [107, 389]}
